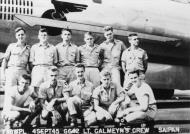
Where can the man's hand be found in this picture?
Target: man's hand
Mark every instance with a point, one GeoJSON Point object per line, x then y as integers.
{"type": "Point", "coordinates": [26, 110]}
{"type": "Point", "coordinates": [32, 106]}
{"type": "Point", "coordinates": [3, 78]}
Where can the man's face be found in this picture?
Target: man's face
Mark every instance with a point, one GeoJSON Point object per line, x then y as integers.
{"type": "Point", "coordinates": [23, 85]}
{"type": "Point", "coordinates": [106, 81]}
{"type": "Point", "coordinates": [43, 37]}
{"type": "Point", "coordinates": [108, 35]}
{"type": "Point", "coordinates": [53, 76]}
{"type": "Point", "coordinates": [89, 39]}
{"type": "Point", "coordinates": [20, 36]}
{"type": "Point", "coordinates": [66, 35]}
{"type": "Point", "coordinates": [134, 41]}
{"type": "Point", "coordinates": [79, 72]}
{"type": "Point", "coordinates": [134, 78]}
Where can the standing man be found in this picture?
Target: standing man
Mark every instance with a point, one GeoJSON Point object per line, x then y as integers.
{"type": "Point", "coordinates": [14, 105]}
{"type": "Point", "coordinates": [16, 59]}
{"type": "Point", "coordinates": [89, 55]}
{"type": "Point", "coordinates": [112, 49]}
{"type": "Point", "coordinates": [53, 98]}
{"type": "Point", "coordinates": [134, 58]}
{"type": "Point", "coordinates": [42, 56]}
{"type": "Point", "coordinates": [146, 108]}
{"type": "Point", "coordinates": [67, 56]}
{"type": "Point", "coordinates": [80, 94]}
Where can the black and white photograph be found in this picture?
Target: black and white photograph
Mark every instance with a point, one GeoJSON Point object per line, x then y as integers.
{"type": "Point", "coordinates": [94, 66]}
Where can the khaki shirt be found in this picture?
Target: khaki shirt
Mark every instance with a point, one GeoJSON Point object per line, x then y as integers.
{"type": "Point", "coordinates": [47, 92]}
{"type": "Point", "coordinates": [67, 54]}
{"type": "Point", "coordinates": [89, 56]}
{"type": "Point", "coordinates": [43, 55]}
{"type": "Point", "coordinates": [107, 97]}
{"type": "Point", "coordinates": [134, 59]}
{"type": "Point", "coordinates": [17, 56]}
{"type": "Point", "coordinates": [112, 52]}
{"type": "Point", "coordinates": [83, 90]}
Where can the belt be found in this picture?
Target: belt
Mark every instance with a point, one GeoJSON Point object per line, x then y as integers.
{"type": "Point", "coordinates": [43, 65]}
{"type": "Point", "coordinates": [17, 67]}
{"type": "Point", "coordinates": [91, 66]}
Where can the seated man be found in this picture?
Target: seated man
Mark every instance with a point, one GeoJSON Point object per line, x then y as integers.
{"type": "Point", "coordinates": [80, 92]}
{"type": "Point", "coordinates": [146, 107]}
{"type": "Point", "coordinates": [14, 105]}
{"type": "Point", "coordinates": [53, 98]}
{"type": "Point", "coordinates": [107, 98]}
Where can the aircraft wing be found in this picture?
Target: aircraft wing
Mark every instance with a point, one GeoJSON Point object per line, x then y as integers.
{"type": "Point", "coordinates": [33, 21]}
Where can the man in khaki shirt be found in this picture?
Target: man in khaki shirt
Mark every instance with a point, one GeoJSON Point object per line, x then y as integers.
{"type": "Point", "coordinates": [134, 58]}
{"type": "Point", "coordinates": [67, 56]}
{"type": "Point", "coordinates": [80, 94]}
{"type": "Point", "coordinates": [16, 59]}
{"type": "Point", "coordinates": [53, 98]}
{"type": "Point", "coordinates": [42, 56]}
{"type": "Point", "coordinates": [90, 56]}
{"type": "Point", "coordinates": [112, 49]}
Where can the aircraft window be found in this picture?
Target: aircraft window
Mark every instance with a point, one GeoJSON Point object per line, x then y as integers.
{"type": "Point", "coordinates": [24, 2]}
{"type": "Point", "coordinates": [16, 10]}
{"type": "Point", "coordinates": [12, 17]}
{"type": "Point", "coordinates": [0, 15]}
{"type": "Point", "coordinates": [27, 11]}
{"type": "Point", "coordinates": [4, 16]}
{"type": "Point", "coordinates": [13, 2]}
{"type": "Point", "coordinates": [31, 11]}
{"type": "Point", "coordinates": [9, 9]}
{"type": "Point", "coordinates": [24, 10]}
{"type": "Point", "coordinates": [8, 1]}
{"type": "Point", "coordinates": [16, 2]}
{"type": "Point", "coordinates": [1, 1]}
{"type": "Point", "coordinates": [20, 3]}
{"type": "Point", "coordinates": [20, 10]}
{"type": "Point", "coordinates": [5, 9]}
{"type": "Point", "coordinates": [31, 4]}
{"type": "Point", "coordinates": [1, 8]}
{"type": "Point", "coordinates": [5, 1]}
{"type": "Point", "coordinates": [12, 9]}
{"type": "Point", "coordinates": [9, 16]}
{"type": "Point", "coordinates": [27, 3]}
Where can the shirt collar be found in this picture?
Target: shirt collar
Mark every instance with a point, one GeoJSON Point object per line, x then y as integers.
{"type": "Point", "coordinates": [114, 42]}
{"type": "Point", "coordinates": [63, 44]}
{"type": "Point", "coordinates": [79, 82]}
{"type": "Point", "coordinates": [46, 46]}
{"type": "Point", "coordinates": [110, 88]}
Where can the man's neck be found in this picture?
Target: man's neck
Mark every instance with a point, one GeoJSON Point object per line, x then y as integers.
{"type": "Point", "coordinates": [66, 42]}
{"type": "Point", "coordinates": [81, 80]}
{"type": "Point", "coordinates": [134, 47]}
{"type": "Point", "coordinates": [21, 44]}
{"type": "Point", "coordinates": [44, 43]}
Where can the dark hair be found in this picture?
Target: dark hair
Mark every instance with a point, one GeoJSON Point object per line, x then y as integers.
{"type": "Point", "coordinates": [132, 34]}
{"type": "Point", "coordinates": [108, 28]}
{"type": "Point", "coordinates": [135, 72]}
{"type": "Point", "coordinates": [19, 29]}
{"type": "Point", "coordinates": [26, 77]}
{"type": "Point", "coordinates": [105, 73]}
{"type": "Point", "coordinates": [79, 65]}
{"type": "Point", "coordinates": [43, 30]}
{"type": "Point", "coordinates": [53, 69]}
{"type": "Point", "coordinates": [89, 33]}
{"type": "Point", "coordinates": [67, 29]}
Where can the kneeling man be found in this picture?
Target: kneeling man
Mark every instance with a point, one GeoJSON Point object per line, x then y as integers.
{"type": "Point", "coordinates": [14, 105]}
{"type": "Point", "coordinates": [145, 108]}
{"type": "Point", "coordinates": [53, 98]}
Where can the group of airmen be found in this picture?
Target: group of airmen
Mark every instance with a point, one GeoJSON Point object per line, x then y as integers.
{"type": "Point", "coordinates": [55, 83]}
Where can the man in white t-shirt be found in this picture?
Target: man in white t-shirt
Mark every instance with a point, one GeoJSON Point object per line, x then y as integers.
{"type": "Point", "coordinates": [145, 108]}
{"type": "Point", "coordinates": [15, 107]}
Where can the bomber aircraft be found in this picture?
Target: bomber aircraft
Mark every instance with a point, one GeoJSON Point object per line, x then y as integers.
{"type": "Point", "coordinates": [163, 27]}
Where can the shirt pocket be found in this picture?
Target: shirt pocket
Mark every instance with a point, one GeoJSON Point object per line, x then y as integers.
{"type": "Point", "coordinates": [71, 56]}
